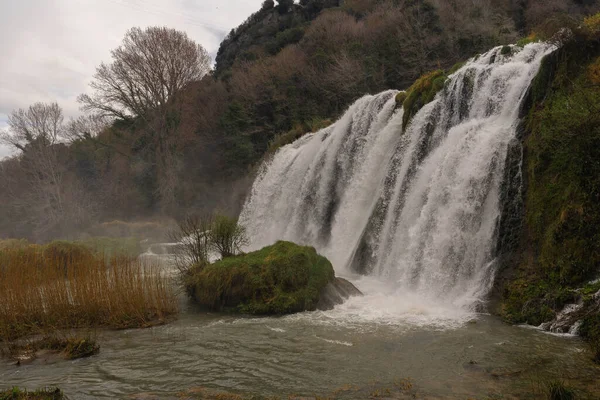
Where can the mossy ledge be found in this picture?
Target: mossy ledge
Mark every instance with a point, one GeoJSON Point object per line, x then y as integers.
{"type": "Point", "coordinates": [280, 279]}
{"type": "Point", "coordinates": [422, 92]}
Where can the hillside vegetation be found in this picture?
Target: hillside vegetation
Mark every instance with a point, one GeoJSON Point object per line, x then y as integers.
{"type": "Point", "coordinates": [560, 241]}
{"type": "Point", "coordinates": [288, 68]}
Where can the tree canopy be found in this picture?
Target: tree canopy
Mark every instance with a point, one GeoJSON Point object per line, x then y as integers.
{"type": "Point", "coordinates": [149, 68]}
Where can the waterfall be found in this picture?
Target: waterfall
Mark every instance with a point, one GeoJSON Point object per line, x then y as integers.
{"type": "Point", "coordinates": [418, 209]}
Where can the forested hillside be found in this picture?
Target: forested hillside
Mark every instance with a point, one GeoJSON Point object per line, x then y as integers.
{"type": "Point", "coordinates": [290, 68]}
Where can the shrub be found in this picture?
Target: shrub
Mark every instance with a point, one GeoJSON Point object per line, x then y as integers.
{"type": "Point", "coordinates": [557, 390]}
{"type": "Point", "coordinates": [593, 72]}
{"type": "Point", "coordinates": [227, 237]}
{"type": "Point", "coordinates": [195, 242]}
{"type": "Point", "coordinates": [592, 23]}
{"type": "Point", "coordinates": [278, 279]}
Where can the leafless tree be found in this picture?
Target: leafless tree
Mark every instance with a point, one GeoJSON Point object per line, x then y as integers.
{"type": "Point", "coordinates": [194, 242]}
{"type": "Point", "coordinates": [41, 124]}
{"type": "Point", "coordinates": [147, 70]}
{"type": "Point", "coordinates": [47, 198]}
{"type": "Point", "coordinates": [86, 126]}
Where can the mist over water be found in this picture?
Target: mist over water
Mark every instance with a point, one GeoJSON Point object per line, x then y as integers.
{"type": "Point", "coordinates": [416, 212]}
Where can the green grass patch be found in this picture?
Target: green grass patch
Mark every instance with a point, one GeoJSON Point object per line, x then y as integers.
{"type": "Point", "coordinates": [532, 38]}
{"type": "Point", "coordinates": [280, 279]}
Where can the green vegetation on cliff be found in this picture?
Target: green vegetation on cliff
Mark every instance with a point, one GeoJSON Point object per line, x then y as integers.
{"type": "Point", "coordinates": [420, 93]}
{"type": "Point", "coordinates": [561, 237]}
{"type": "Point", "coordinates": [280, 279]}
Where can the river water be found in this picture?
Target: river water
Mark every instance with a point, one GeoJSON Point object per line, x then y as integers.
{"type": "Point", "coordinates": [378, 345]}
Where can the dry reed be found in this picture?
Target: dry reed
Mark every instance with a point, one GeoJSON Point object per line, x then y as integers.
{"type": "Point", "coordinates": [41, 293]}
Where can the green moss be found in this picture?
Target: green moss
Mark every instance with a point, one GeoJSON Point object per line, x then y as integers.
{"type": "Point", "coordinates": [422, 92]}
{"type": "Point", "coordinates": [400, 97]}
{"type": "Point", "coordinates": [279, 279]}
{"type": "Point", "coordinates": [526, 40]}
{"type": "Point", "coordinates": [590, 330]}
{"type": "Point", "coordinates": [506, 50]}
{"type": "Point", "coordinates": [42, 394]}
{"type": "Point", "coordinates": [299, 130]}
{"type": "Point", "coordinates": [456, 67]}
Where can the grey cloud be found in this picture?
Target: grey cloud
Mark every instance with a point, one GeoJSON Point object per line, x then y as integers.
{"type": "Point", "coordinates": [51, 48]}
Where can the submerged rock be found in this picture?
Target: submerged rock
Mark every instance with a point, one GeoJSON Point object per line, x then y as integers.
{"type": "Point", "coordinates": [335, 293]}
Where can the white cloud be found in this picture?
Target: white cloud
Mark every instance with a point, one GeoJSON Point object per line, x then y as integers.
{"type": "Point", "coordinates": [52, 47]}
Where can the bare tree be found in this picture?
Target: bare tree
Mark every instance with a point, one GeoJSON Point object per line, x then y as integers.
{"type": "Point", "coordinates": [41, 124]}
{"type": "Point", "coordinates": [194, 242]}
{"type": "Point", "coordinates": [87, 126]}
{"type": "Point", "coordinates": [147, 70]}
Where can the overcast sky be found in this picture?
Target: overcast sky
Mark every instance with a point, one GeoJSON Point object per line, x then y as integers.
{"type": "Point", "coordinates": [50, 48]}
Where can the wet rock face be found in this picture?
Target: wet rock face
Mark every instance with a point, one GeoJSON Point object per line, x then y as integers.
{"type": "Point", "coordinates": [569, 319]}
{"type": "Point", "coordinates": [335, 293]}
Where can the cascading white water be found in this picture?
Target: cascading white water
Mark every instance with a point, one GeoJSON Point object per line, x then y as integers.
{"type": "Point", "coordinates": [417, 209]}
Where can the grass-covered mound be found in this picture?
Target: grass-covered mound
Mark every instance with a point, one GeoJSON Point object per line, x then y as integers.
{"type": "Point", "coordinates": [280, 279]}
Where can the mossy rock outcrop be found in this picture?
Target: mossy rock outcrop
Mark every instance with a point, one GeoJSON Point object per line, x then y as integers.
{"type": "Point", "coordinates": [420, 93]}
{"type": "Point", "coordinates": [280, 279]}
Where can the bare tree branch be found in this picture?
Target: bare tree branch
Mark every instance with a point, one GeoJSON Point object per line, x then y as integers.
{"type": "Point", "coordinates": [147, 70]}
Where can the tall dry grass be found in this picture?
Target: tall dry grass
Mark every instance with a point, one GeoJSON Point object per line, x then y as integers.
{"type": "Point", "coordinates": [41, 292]}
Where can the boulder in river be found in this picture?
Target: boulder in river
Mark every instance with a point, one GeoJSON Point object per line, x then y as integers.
{"type": "Point", "coordinates": [280, 279]}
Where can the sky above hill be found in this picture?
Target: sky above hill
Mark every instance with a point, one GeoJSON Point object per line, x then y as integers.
{"type": "Point", "coordinates": [50, 48]}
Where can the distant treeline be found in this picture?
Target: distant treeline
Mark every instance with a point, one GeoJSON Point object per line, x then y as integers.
{"type": "Point", "coordinates": [289, 67]}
